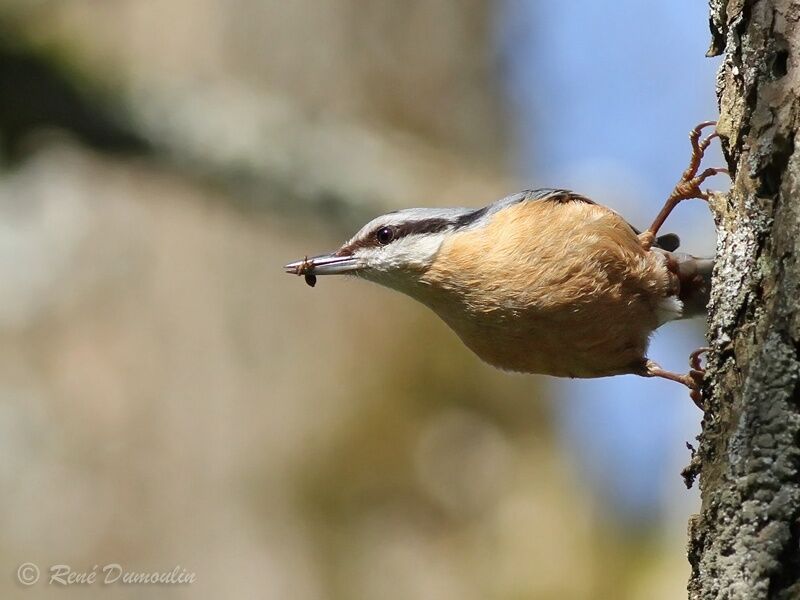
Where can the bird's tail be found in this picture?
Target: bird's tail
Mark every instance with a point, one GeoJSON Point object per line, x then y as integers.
{"type": "Point", "coordinates": [694, 277]}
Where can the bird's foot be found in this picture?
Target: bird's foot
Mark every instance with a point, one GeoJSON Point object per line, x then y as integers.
{"type": "Point", "coordinates": [689, 184]}
{"type": "Point", "coordinates": [692, 380]}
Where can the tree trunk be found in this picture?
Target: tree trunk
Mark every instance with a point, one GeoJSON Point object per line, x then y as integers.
{"type": "Point", "coordinates": [745, 543]}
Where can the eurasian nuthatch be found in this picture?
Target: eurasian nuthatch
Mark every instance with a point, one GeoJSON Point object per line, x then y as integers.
{"type": "Point", "coordinates": [544, 281]}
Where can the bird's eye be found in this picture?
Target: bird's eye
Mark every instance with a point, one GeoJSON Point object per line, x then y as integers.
{"type": "Point", "coordinates": [384, 235]}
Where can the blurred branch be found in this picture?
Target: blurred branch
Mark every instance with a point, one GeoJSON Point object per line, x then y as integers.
{"type": "Point", "coordinates": [40, 93]}
{"type": "Point", "coordinates": [271, 151]}
{"type": "Point", "coordinates": [312, 164]}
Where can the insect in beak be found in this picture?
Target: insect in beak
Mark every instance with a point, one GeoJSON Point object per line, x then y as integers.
{"type": "Point", "coordinates": [303, 267]}
{"type": "Point", "coordinates": [327, 264]}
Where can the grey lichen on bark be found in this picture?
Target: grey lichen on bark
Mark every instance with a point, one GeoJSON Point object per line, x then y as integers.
{"type": "Point", "coordinates": [745, 542]}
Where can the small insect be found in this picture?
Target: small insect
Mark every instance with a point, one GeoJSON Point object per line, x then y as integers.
{"type": "Point", "coordinates": [303, 268]}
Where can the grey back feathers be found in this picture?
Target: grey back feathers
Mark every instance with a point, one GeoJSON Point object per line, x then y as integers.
{"type": "Point", "coordinates": [430, 220]}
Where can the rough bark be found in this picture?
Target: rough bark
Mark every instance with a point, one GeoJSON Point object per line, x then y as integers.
{"type": "Point", "coordinates": [745, 543]}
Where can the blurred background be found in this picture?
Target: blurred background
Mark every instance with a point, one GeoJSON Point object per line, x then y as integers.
{"type": "Point", "coordinates": [170, 397]}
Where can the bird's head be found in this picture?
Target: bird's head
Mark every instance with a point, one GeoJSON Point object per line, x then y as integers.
{"type": "Point", "coordinates": [394, 250]}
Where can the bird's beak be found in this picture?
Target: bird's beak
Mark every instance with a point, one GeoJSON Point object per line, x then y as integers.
{"type": "Point", "coordinates": [327, 264]}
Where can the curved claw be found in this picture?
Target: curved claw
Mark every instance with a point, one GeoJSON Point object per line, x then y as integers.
{"type": "Point", "coordinates": [694, 358]}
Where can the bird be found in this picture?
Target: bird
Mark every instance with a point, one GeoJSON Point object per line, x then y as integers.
{"type": "Point", "coordinates": [545, 281]}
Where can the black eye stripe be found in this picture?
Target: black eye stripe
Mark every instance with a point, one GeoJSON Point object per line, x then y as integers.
{"type": "Point", "coordinates": [416, 227]}
{"type": "Point", "coordinates": [470, 217]}
{"type": "Point", "coordinates": [421, 227]}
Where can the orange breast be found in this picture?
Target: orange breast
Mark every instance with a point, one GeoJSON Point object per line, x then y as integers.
{"type": "Point", "coordinates": [555, 288]}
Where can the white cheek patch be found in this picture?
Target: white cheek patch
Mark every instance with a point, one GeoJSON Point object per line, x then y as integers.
{"type": "Point", "coordinates": [413, 251]}
{"type": "Point", "coordinates": [669, 309]}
